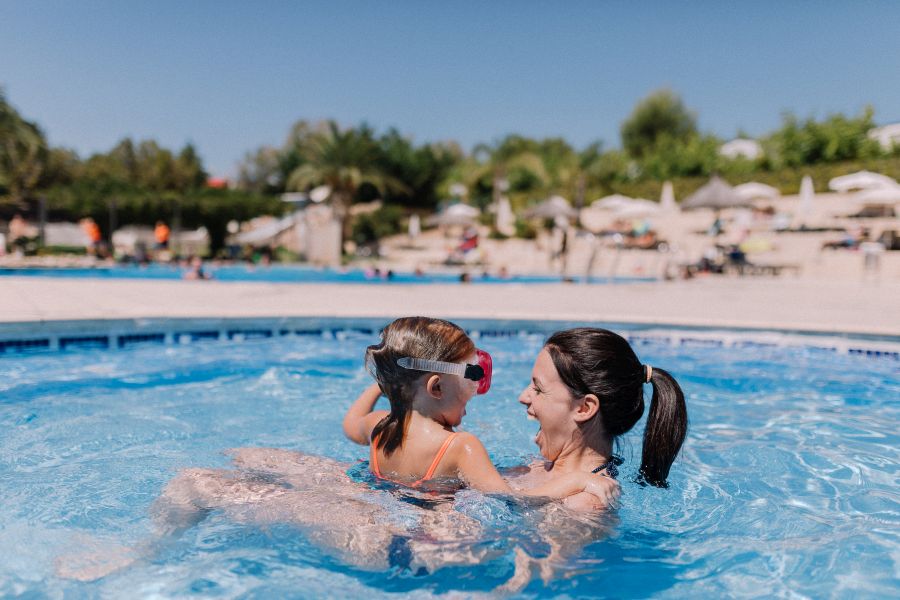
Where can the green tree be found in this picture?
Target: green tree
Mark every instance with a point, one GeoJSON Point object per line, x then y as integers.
{"type": "Point", "coordinates": [343, 160]}
{"type": "Point", "coordinates": [23, 154]}
{"type": "Point", "coordinates": [189, 173]}
{"type": "Point", "coordinates": [698, 155]}
{"type": "Point", "coordinates": [661, 115]}
{"type": "Point", "coordinates": [836, 138]}
{"type": "Point", "coordinates": [420, 169]}
{"type": "Point", "coordinates": [63, 167]}
{"type": "Point", "coordinates": [260, 172]}
{"type": "Point", "coordinates": [514, 159]}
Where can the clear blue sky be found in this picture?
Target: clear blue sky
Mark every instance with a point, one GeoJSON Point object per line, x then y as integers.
{"type": "Point", "coordinates": [231, 76]}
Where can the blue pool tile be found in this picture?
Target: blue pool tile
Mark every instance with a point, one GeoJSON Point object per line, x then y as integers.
{"type": "Point", "coordinates": [134, 339]}
{"type": "Point", "coordinates": [249, 334]}
{"type": "Point", "coordinates": [84, 342]}
{"type": "Point", "coordinates": [24, 345]}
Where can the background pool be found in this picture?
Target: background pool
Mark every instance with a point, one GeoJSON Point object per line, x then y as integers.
{"type": "Point", "coordinates": [787, 485]}
{"type": "Point", "coordinates": [286, 274]}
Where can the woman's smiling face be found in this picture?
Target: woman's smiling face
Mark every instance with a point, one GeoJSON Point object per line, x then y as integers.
{"type": "Point", "coordinates": [550, 401]}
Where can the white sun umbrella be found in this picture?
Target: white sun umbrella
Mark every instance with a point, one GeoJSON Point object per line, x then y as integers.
{"type": "Point", "coordinates": [320, 194]}
{"type": "Point", "coordinates": [638, 209]}
{"type": "Point", "coordinates": [552, 207]}
{"type": "Point", "coordinates": [807, 193]}
{"type": "Point", "coordinates": [861, 180]}
{"type": "Point", "coordinates": [595, 219]}
{"type": "Point", "coordinates": [456, 214]}
{"type": "Point", "coordinates": [885, 196]}
{"type": "Point", "coordinates": [756, 191]}
{"type": "Point", "coordinates": [505, 220]}
{"type": "Point", "coordinates": [611, 202]}
{"type": "Point", "coordinates": [667, 198]}
{"type": "Point", "coordinates": [415, 227]}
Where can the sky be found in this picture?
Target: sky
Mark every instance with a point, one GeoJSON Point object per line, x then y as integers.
{"type": "Point", "coordinates": [230, 77]}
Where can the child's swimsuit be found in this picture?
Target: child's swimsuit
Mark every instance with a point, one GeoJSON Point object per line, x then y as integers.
{"type": "Point", "coordinates": [373, 463]}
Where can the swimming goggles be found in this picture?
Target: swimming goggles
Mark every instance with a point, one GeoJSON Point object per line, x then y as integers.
{"type": "Point", "coordinates": [480, 372]}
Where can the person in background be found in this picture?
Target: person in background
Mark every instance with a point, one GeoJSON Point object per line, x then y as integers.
{"type": "Point", "coordinates": [161, 233]}
{"type": "Point", "coordinates": [95, 237]}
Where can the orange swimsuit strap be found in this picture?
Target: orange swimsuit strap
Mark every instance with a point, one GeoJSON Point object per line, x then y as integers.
{"type": "Point", "coordinates": [373, 463]}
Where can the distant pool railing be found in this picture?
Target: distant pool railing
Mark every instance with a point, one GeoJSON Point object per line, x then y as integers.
{"type": "Point", "coordinates": [122, 334]}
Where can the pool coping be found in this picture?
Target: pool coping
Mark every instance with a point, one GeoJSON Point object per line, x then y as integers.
{"type": "Point", "coordinates": [780, 305]}
{"type": "Point", "coordinates": [26, 337]}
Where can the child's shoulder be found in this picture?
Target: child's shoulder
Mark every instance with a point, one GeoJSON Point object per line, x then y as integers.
{"type": "Point", "coordinates": [462, 438]}
{"type": "Point", "coordinates": [465, 445]}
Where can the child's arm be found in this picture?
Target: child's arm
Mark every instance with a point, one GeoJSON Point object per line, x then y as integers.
{"type": "Point", "coordinates": [476, 469]}
{"type": "Point", "coordinates": [360, 419]}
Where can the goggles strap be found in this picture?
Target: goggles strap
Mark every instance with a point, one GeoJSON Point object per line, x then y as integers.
{"type": "Point", "coordinates": [438, 366]}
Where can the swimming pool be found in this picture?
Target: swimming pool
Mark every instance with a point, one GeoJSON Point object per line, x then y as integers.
{"type": "Point", "coordinates": [787, 484]}
{"type": "Point", "coordinates": [287, 274]}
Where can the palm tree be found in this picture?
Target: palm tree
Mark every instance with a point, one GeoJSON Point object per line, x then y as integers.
{"type": "Point", "coordinates": [508, 156]}
{"type": "Point", "coordinates": [342, 160]}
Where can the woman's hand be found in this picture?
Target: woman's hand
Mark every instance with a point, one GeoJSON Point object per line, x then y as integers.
{"type": "Point", "coordinates": [606, 489]}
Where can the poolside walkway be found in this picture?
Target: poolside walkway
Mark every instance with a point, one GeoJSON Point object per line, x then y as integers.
{"type": "Point", "coordinates": [800, 305]}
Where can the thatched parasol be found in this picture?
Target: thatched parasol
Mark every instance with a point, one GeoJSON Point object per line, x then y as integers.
{"type": "Point", "coordinates": [716, 194]}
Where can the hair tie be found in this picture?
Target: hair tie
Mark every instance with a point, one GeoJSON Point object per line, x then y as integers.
{"type": "Point", "coordinates": [649, 371]}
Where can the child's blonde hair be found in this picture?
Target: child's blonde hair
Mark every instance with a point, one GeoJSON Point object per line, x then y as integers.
{"type": "Point", "coordinates": [414, 337]}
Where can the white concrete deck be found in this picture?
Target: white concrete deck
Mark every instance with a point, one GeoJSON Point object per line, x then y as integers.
{"type": "Point", "coordinates": [871, 308]}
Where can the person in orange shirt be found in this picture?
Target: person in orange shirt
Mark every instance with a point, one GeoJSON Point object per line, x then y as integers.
{"type": "Point", "coordinates": [92, 230]}
{"type": "Point", "coordinates": [161, 232]}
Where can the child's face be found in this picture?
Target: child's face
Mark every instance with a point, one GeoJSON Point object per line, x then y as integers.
{"type": "Point", "coordinates": [457, 393]}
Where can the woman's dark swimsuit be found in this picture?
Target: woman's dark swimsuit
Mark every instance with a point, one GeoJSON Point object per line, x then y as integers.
{"type": "Point", "coordinates": [611, 467]}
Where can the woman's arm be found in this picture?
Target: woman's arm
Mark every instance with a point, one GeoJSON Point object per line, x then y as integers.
{"type": "Point", "coordinates": [598, 488]}
{"type": "Point", "coordinates": [360, 419]}
{"type": "Point", "coordinates": [475, 468]}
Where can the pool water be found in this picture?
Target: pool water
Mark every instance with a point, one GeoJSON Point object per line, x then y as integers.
{"type": "Point", "coordinates": [786, 486]}
{"type": "Point", "coordinates": [287, 274]}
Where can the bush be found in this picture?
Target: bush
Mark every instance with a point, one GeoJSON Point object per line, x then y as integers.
{"type": "Point", "coordinates": [56, 250]}
{"type": "Point", "coordinates": [371, 227]}
{"type": "Point", "coordinates": [525, 230]}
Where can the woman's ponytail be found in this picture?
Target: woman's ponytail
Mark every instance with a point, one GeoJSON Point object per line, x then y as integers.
{"type": "Point", "coordinates": [666, 428]}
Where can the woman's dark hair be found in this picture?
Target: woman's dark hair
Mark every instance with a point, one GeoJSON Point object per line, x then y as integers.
{"type": "Point", "coordinates": [600, 362]}
{"type": "Point", "coordinates": [414, 337]}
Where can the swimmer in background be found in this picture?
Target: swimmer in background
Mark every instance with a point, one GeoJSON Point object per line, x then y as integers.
{"type": "Point", "coordinates": [196, 271]}
{"type": "Point", "coordinates": [429, 369]}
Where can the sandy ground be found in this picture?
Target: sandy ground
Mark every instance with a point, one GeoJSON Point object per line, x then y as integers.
{"type": "Point", "coordinates": [685, 234]}
{"type": "Point", "coordinates": [791, 304]}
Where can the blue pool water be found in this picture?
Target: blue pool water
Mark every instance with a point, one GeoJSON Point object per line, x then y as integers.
{"type": "Point", "coordinates": [284, 274]}
{"type": "Point", "coordinates": [787, 485]}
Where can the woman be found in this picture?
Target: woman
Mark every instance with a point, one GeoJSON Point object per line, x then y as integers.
{"type": "Point", "coordinates": [586, 390]}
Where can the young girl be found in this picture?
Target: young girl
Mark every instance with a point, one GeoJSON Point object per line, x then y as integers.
{"type": "Point", "coordinates": [429, 369]}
